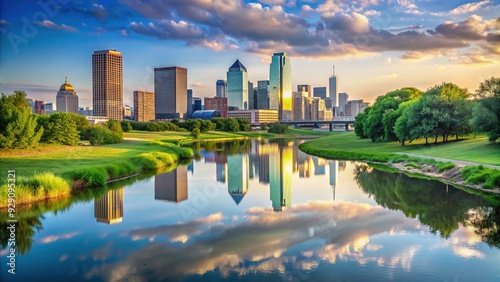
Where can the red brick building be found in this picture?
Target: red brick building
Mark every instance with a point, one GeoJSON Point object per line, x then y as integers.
{"type": "Point", "coordinates": [217, 103]}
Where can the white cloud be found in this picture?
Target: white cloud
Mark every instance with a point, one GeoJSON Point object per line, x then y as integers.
{"type": "Point", "coordinates": [52, 25]}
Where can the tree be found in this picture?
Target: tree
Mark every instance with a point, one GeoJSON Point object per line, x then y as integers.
{"type": "Point", "coordinates": [18, 125]}
{"type": "Point", "coordinates": [278, 128]}
{"type": "Point", "coordinates": [486, 117]}
{"type": "Point", "coordinates": [114, 126]}
{"type": "Point", "coordinates": [81, 121]}
{"type": "Point", "coordinates": [59, 128]}
{"type": "Point", "coordinates": [195, 132]}
{"type": "Point", "coordinates": [359, 121]}
{"type": "Point", "coordinates": [100, 134]}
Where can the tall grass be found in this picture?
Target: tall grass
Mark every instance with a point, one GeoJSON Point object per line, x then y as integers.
{"type": "Point", "coordinates": [490, 178]}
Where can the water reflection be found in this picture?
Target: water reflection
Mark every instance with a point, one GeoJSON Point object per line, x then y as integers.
{"type": "Point", "coordinates": [172, 186]}
{"type": "Point", "coordinates": [109, 208]}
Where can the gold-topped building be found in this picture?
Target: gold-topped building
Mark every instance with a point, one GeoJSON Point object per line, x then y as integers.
{"type": "Point", "coordinates": [66, 99]}
{"type": "Point", "coordinates": [107, 84]}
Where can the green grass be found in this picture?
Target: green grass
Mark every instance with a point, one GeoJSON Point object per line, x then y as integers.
{"type": "Point", "coordinates": [471, 149]}
{"type": "Point", "coordinates": [446, 166]}
{"type": "Point", "coordinates": [480, 174]}
{"type": "Point", "coordinates": [413, 164]}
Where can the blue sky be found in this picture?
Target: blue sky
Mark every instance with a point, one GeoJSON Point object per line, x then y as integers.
{"type": "Point", "coordinates": [376, 45]}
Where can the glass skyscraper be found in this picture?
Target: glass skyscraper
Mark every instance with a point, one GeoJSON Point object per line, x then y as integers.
{"type": "Point", "coordinates": [237, 86]}
{"type": "Point", "coordinates": [333, 83]}
{"type": "Point", "coordinates": [280, 86]}
{"type": "Point", "coordinates": [280, 176]}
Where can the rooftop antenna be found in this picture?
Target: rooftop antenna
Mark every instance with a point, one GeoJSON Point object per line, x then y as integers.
{"type": "Point", "coordinates": [334, 70]}
{"type": "Point", "coordinates": [66, 79]}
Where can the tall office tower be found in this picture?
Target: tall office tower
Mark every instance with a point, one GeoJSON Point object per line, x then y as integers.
{"type": "Point", "coordinates": [354, 107]}
{"type": "Point", "coordinates": [305, 88]}
{"type": "Point", "coordinates": [66, 99]}
{"type": "Point", "coordinates": [172, 186]}
{"type": "Point", "coordinates": [237, 86]}
{"type": "Point", "coordinates": [280, 176]}
{"type": "Point", "coordinates": [144, 106]}
{"type": "Point", "coordinates": [238, 174]}
{"type": "Point", "coordinates": [251, 101]}
{"type": "Point", "coordinates": [280, 86]}
{"type": "Point", "coordinates": [107, 84]}
{"type": "Point", "coordinates": [299, 106]}
{"type": "Point", "coordinates": [262, 99]}
{"type": "Point", "coordinates": [221, 88]}
{"type": "Point", "coordinates": [189, 103]}
{"type": "Point", "coordinates": [343, 97]}
{"type": "Point", "coordinates": [109, 207]}
{"type": "Point", "coordinates": [171, 93]}
{"type": "Point", "coordinates": [334, 84]}
{"type": "Point", "coordinates": [319, 92]}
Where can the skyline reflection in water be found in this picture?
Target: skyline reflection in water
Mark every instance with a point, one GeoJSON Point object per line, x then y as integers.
{"type": "Point", "coordinates": [262, 209]}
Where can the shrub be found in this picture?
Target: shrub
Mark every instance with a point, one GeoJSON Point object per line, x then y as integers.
{"type": "Point", "coordinates": [126, 126]}
{"type": "Point", "coordinates": [59, 128]}
{"type": "Point", "coordinates": [101, 135]}
{"type": "Point", "coordinates": [195, 133]}
{"type": "Point", "coordinates": [277, 128]}
{"type": "Point", "coordinates": [91, 176]}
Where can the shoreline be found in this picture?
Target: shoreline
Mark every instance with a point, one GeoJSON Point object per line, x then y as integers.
{"type": "Point", "coordinates": [402, 163]}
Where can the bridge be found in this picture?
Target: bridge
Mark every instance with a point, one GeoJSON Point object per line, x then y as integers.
{"type": "Point", "coordinates": [316, 123]}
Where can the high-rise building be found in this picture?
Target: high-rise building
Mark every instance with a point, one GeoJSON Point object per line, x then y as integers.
{"type": "Point", "coordinates": [32, 104]}
{"type": "Point", "coordinates": [262, 97]}
{"type": "Point", "coordinates": [221, 88]}
{"type": "Point", "coordinates": [109, 207]}
{"type": "Point", "coordinates": [300, 104]}
{"type": "Point", "coordinates": [197, 104]}
{"type": "Point", "coordinates": [237, 86]}
{"type": "Point", "coordinates": [49, 108]}
{"type": "Point", "coordinates": [189, 103]}
{"type": "Point", "coordinates": [343, 97]}
{"type": "Point", "coordinates": [171, 93]}
{"type": "Point", "coordinates": [251, 101]}
{"type": "Point", "coordinates": [144, 106]}
{"type": "Point", "coordinates": [334, 84]}
{"type": "Point", "coordinates": [172, 186]}
{"type": "Point", "coordinates": [305, 88]}
{"type": "Point", "coordinates": [354, 107]}
{"type": "Point", "coordinates": [238, 176]}
{"type": "Point", "coordinates": [317, 106]}
{"type": "Point", "coordinates": [319, 92]}
{"type": "Point", "coordinates": [334, 175]}
{"type": "Point", "coordinates": [280, 86]}
{"type": "Point", "coordinates": [217, 103]}
{"type": "Point", "coordinates": [66, 98]}
{"type": "Point", "coordinates": [107, 84]}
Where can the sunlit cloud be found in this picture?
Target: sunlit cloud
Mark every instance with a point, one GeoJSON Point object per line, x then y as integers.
{"type": "Point", "coordinates": [54, 238]}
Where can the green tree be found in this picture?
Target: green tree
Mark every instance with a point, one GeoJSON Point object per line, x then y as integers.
{"type": "Point", "coordinates": [359, 121]}
{"type": "Point", "coordinates": [81, 121]}
{"type": "Point", "coordinates": [100, 134]}
{"type": "Point", "coordinates": [18, 125]}
{"type": "Point", "coordinates": [59, 128]}
{"type": "Point", "coordinates": [486, 117]}
{"type": "Point", "coordinates": [195, 132]}
{"type": "Point", "coordinates": [114, 126]}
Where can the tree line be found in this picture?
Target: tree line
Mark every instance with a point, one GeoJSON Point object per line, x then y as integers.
{"type": "Point", "coordinates": [442, 111]}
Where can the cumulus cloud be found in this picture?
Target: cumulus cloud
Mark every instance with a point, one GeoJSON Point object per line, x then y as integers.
{"type": "Point", "coordinates": [469, 7]}
{"type": "Point", "coordinates": [52, 25]}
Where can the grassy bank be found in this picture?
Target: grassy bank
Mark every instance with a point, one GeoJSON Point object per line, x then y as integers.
{"type": "Point", "coordinates": [346, 146]}
{"type": "Point", "coordinates": [53, 171]}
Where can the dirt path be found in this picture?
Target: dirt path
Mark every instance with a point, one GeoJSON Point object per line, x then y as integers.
{"type": "Point", "coordinates": [457, 162]}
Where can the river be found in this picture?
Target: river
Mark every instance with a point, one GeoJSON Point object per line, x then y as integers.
{"type": "Point", "coordinates": [260, 210]}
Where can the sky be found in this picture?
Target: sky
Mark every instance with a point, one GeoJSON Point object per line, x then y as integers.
{"type": "Point", "coordinates": [375, 45]}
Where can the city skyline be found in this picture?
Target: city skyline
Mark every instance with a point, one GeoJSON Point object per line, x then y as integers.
{"type": "Point", "coordinates": [387, 43]}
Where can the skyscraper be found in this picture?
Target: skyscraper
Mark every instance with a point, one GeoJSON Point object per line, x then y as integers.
{"type": "Point", "coordinates": [171, 92]}
{"type": "Point", "coordinates": [280, 172]}
{"type": "Point", "coordinates": [221, 88]}
{"type": "Point", "coordinates": [262, 97]}
{"type": "Point", "coordinates": [107, 84]}
{"type": "Point", "coordinates": [144, 106]}
{"type": "Point", "coordinates": [305, 88]}
{"type": "Point", "coordinates": [280, 86]}
{"type": "Point", "coordinates": [189, 103]}
{"type": "Point", "coordinates": [333, 83]}
{"type": "Point", "coordinates": [237, 86]}
{"type": "Point", "coordinates": [66, 99]}
{"type": "Point", "coordinates": [319, 92]}
{"type": "Point", "coordinates": [343, 97]}
{"type": "Point", "coordinates": [251, 100]}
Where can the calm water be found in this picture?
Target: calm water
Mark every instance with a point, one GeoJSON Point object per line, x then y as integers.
{"type": "Point", "coordinates": [261, 210]}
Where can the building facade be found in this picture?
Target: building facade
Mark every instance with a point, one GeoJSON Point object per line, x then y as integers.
{"type": "Point", "coordinates": [107, 84]}
{"type": "Point", "coordinates": [262, 95]}
{"type": "Point", "coordinates": [217, 103]}
{"type": "Point", "coordinates": [39, 109]}
{"type": "Point", "coordinates": [221, 88]}
{"type": "Point", "coordinates": [319, 92]}
{"type": "Point", "coordinates": [66, 99]}
{"type": "Point", "coordinates": [354, 107]}
{"type": "Point", "coordinates": [237, 86]}
{"type": "Point", "coordinates": [280, 86]}
{"type": "Point", "coordinates": [305, 88]}
{"type": "Point", "coordinates": [255, 117]}
{"type": "Point", "coordinates": [144, 106]}
{"type": "Point", "coordinates": [333, 83]}
{"type": "Point", "coordinates": [171, 99]}
{"type": "Point", "coordinates": [343, 98]}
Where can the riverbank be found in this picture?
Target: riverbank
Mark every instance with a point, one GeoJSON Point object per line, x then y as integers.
{"type": "Point", "coordinates": [346, 146]}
